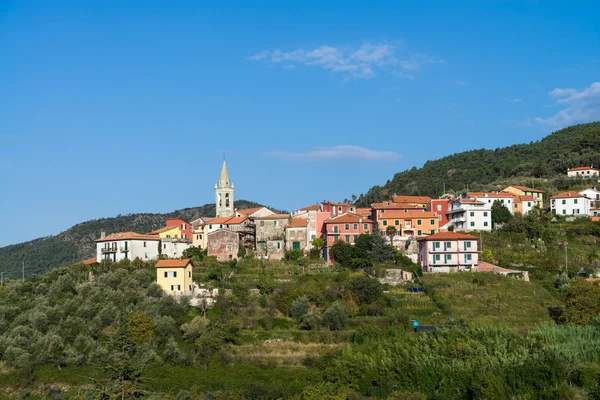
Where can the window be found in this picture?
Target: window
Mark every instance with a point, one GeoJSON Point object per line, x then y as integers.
{"type": "Point", "coordinates": [175, 287]}
{"type": "Point", "coordinates": [339, 209]}
{"type": "Point", "coordinates": [278, 245]}
{"type": "Point", "coordinates": [347, 238]}
{"type": "Point", "coordinates": [355, 237]}
{"type": "Point", "coordinates": [144, 244]}
{"type": "Point", "coordinates": [418, 222]}
{"type": "Point", "coordinates": [419, 233]}
{"type": "Point", "coordinates": [467, 245]}
{"type": "Point", "coordinates": [436, 245]}
{"type": "Point", "coordinates": [472, 213]}
{"type": "Point", "coordinates": [262, 223]}
{"type": "Point", "coordinates": [564, 212]}
{"type": "Point", "coordinates": [190, 287]}
{"type": "Point", "coordinates": [447, 245]}
{"type": "Point", "coordinates": [184, 236]}
{"type": "Point", "coordinates": [472, 223]}
{"type": "Point", "coordinates": [396, 222]}
{"type": "Point", "coordinates": [431, 232]}
{"type": "Point", "coordinates": [335, 229]}
{"type": "Point", "coordinates": [432, 222]}
{"type": "Point", "coordinates": [574, 201]}
{"type": "Point", "coordinates": [528, 204]}
{"type": "Point", "coordinates": [366, 227]}
{"type": "Point", "coordinates": [347, 227]}
{"type": "Point", "coordinates": [485, 224]}
{"type": "Point", "coordinates": [210, 226]}
{"type": "Point", "coordinates": [439, 207]}
{"type": "Point", "coordinates": [164, 246]}
{"type": "Point", "coordinates": [468, 257]}
{"type": "Point", "coordinates": [335, 239]}
{"type": "Point", "coordinates": [275, 223]}
{"type": "Point", "coordinates": [145, 255]}
{"type": "Point", "coordinates": [183, 226]}
{"type": "Point", "coordinates": [384, 222]}
{"type": "Point", "coordinates": [312, 237]}
{"type": "Point", "coordinates": [355, 227]}
{"type": "Point", "coordinates": [564, 201]}
{"type": "Point", "coordinates": [295, 245]}
{"type": "Point", "coordinates": [484, 213]}
{"type": "Point", "coordinates": [437, 257]}
{"type": "Point", "coordinates": [170, 274]}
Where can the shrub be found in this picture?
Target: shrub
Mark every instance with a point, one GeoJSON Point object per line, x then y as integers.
{"type": "Point", "coordinates": [300, 307]}
{"type": "Point", "coordinates": [365, 288]}
{"type": "Point", "coordinates": [336, 316]}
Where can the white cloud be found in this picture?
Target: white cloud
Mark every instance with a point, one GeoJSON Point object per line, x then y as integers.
{"type": "Point", "coordinates": [360, 63]}
{"type": "Point", "coordinates": [342, 152]}
{"type": "Point", "coordinates": [578, 106]}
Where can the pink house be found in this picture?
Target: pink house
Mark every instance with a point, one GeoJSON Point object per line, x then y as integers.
{"type": "Point", "coordinates": [448, 252]}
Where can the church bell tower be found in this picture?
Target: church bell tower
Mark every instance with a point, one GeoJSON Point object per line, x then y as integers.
{"type": "Point", "coordinates": [224, 192]}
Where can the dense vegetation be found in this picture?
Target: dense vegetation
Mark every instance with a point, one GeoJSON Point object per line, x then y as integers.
{"type": "Point", "coordinates": [77, 242]}
{"type": "Point", "coordinates": [544, 162]}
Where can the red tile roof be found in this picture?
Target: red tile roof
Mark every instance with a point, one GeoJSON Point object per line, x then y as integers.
{"type": "Point", "coordinates": [314, 207]}
{"type": "Point", "coordinates": [274, 216]}
{"type": "Point", "coordinates": [472, 201]}
{"type": "Point", "coordinates": [298, 223]}
{"type": "Point", "coordinates": [236, 220]}
{"type": "Point", "coordinates": [347, 218]}
{"type": "Point", "coordinates": [127, 236]}
{"type": "Point", "coordinates": [363, 212]}
{"type": "Point", "coordinates": [520, 199]}
{"type": "Point", "coordinates": [449, 236]}
{"type": "Point", "coordinates": [584, 169]}
{"type": "Point", "coordinates": [165, 229]}
{"type": "Point", "coordinates": [411, 199]}
{"type": "Point", "coordinates": [567, 195]}
{"type": "Point", "coordinates": [89, 261]}
{"type": "Point", "coordinates": [527, 189]}
{"type": "Point", "coordinates": [391, 205]}
{"type": "Point", "coordinates": [249, 211]}
{"type": "Point", "coordinates": [176, 263]}
{"type": "Point", "coordinates": [218, 221]}
{"type": "Point", "coordinates": [491, 194]}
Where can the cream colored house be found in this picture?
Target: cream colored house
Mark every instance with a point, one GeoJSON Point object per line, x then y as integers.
{"type": "Point", "coordinates": [175, 276]}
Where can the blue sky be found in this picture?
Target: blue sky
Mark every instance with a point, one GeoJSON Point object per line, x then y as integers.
{"type": "Point", "coordinates": [115, 107]}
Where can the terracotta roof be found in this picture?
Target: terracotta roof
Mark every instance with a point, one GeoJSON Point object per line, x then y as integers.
{"type": "Point", "coordinates": [249, 211]}
{"type": "Point", "coordinates": [364, 212]}
{"type": "Point", "coordinates": [218, 221]}
{"type": "Point", "coordinates": [449, 236]}
{"type": "Point", "coordinates": [408, 215]}
{"type": "Point", "coordinates": [520, 199]}
{"type": "Point", "coordinates": [165, 229]}
{"type": "Point", "coordinates": [347, 217]}
{"type": "Point", "coordinates": [236, 220]}
{"type": "Point", "coordinates": [89, 261]}
{"type": "Point", "coordinates": [491, 194]}
{"type": "Point", "coordinates": [584, 169]}
{"type": "Point", "coordinates": [176, 263]}
{"type": "Point", "coordinates": [411, 199]}
{"type": "Point", "coordinates": [471, 201]}
{"type": "Point", "coordinates": [314, 207]}
{"type": "Point", "coordinates": [177, 219]}
{"type": "Point", "coordinates": [339, 204]}
{"type": "Point", "coordinates": [275, 216]}
{"type": "Point", "coordinates": [567, 195]}
{"type": "Point", "coordinates": [527, 189]}
{"type": "Point", "coordinates": [297, 223]}
{"type": "Point", "coordinates": [391, 205]}
{"type": "Point", "coordinates": [127, 236]}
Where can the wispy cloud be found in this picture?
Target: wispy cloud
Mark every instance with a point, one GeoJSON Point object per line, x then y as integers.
{"type": "Point", "coordinates": [577, 106]}
{"type": "Point", "coordinates": [360, 63]}
{"type": "Point", "coordinates": [342, 152]}
{"type": "Point", "coordinates": [461, 83]}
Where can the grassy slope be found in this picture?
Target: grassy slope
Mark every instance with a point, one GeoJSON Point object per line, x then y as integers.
{"type": "Point", "coordinates": [77, 242]}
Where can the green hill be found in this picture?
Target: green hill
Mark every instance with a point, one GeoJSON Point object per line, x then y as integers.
{"type": "Point", "coordinates": [77, 242]}
{"type": "Point", "coordinates": [545, 162]}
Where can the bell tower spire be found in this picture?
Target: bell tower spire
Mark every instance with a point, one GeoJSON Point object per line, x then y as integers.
{"type": "Point", "coordinates": [224, 193]}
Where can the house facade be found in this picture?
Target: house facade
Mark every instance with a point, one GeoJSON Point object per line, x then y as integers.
{"type": "Point", "coordinates": [440, 207]}
{"type": "Point", "coordinates": [583, 172]}
{"type": "Point", "coordinates": [448, 252]}
{"type": "Point", "coordinates": [591, 193]}
{"type": "Point", "coordinates": [270, 235]}
{"type": "Point", "coordinates": [412, 223]}
{"type": "Point", "coordinates": [470, 215]}
{"type": "Point", "coordinates": [175, 276]}
{"type": "Point", "coordinates": [174, 248]}
{"type": "Point", "coordinates": [223, 244]}
{"type": "Point", "coordinates": [416, 201]}
{"type": "Point", "coordinates": [185, 228]}
{"type": "Point", "coordinates": [336, 208]}
{"type": "Point", "coordinates": [570, 204]}
{"type": "Point", "coordinates": [126, 245]}
{"type": "Point", "coordinates": [537, 194]}
{"type": "Point", "coordinates": [506, 198]}
{"type": "Point", "coordinates": [297, 235]}
{"type": "Point", "coordinates": [524, 204]}
{"type": "Point", "coordinates": [346, 227]}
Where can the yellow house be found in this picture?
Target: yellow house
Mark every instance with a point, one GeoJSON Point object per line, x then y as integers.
{"type": "Point", "coordinates": [200, 236]}
{"type": "Point", "coordinates": [175, 276]}
{"type": "Point", "coordinates": [537, 194]}
{"type": "Point", "coordinates": [168, 232]}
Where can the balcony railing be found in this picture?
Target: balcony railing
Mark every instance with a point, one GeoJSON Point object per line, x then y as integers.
{"type": "Point", "coordinates": [109, 249]}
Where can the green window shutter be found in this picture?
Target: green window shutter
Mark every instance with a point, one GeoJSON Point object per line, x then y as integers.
{"type": "Point", "coordinates": [384, 222]}
{"type": "Point", "coordinates": [296, 245]}
{"type": "Point", "coordinates": [419, 233]}
{"type": "Point", "coordinates": [355, 227]}
{"type": "Point", "coordinates": [432, 222]}
{"type": "Point", "coordinates": [347, 226]}
{"type": "Point", "coordinates": [432, 231]}
{"type": "Point", "coordinates": [418, 222]}
{"type": "Point", "coordinates": [472, 213]}
{"type": "Point", "coordinates": [396, 222]}
{"type": "Point", "coordinates": [347, 238]}
{"type": "Point", "coordinates": [366, 227]}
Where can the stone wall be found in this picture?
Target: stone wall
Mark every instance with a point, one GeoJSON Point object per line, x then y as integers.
{"type": "Point", "coordinates": [223, 244]}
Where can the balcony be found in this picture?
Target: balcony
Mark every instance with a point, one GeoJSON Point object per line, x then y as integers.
{"type": "Point", "coordinates": [459, 219]}
{"type": "Point", "coordinates": [108, 249]}
{"type": "Point", "coordinates": [123, 249]}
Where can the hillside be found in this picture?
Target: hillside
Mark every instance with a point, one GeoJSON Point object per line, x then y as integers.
{"type": "Point", "coordinates": [480, 169]}
{"type": "Point", "coordinates": [77, 242]}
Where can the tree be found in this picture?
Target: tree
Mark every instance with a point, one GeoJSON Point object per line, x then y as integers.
{"type": "Point", "coordinates": [336, 316]}
{"type": "Point", "coordinates": [381, 250]}
{"type": "Point", "coordinates": [362, 247]}
{"type": "Point", "coordinates": [300, 307]}
{"type": "Point", "coordinates": [317, 248]}
{"type": "Point", "coordinates": [341, 252]}
{"type": "Point", "coordinates": [582, 303]}
{"type": "Point", "coordinates": [191, 252]}
{"type": "Point", "coordinates": [141, 327]}
{"type": "Point", "coordinates": [390, 231]}
{"type": "Point", "coordinates": [500, 214]}
{"type": "Point", "coordinates": [367, 289]}
{"type": "Point", "coordinates": [293, 255]}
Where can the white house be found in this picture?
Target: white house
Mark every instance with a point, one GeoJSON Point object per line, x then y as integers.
{"type": "Point", "coordinates": [126, 245]}
{"type": "Point", "coordinates": [448, 252]}
{"type": "Point", "coordinates": [570, 203]}
{"type": "Point", "coordinates": [583, 172]}
{"type": "Point", "coordinates": [173, 248]}
{"type": "Point", "coordinates": [591, 193]}
{"type": "Point", "coordinates": [507, 199]}
{"type": "Point", "coordinates": [470, 215]}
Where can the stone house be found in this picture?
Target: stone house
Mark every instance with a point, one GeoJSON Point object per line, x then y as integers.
{"type": "Point", "coordinates": [297, 234]}
{"type": "Point", "coordinates": [223, 244]}
{"type": "Point", "coordinates": [270, 235]}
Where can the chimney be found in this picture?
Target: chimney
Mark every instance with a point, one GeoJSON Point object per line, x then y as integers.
{"type": "Point", "coordinates": [102, 235]}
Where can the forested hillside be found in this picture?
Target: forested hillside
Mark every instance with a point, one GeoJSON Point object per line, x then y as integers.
{"type": "Point", "coordinates": [547, 159]}
{"type": "Point", "coordinates": [77, 242]}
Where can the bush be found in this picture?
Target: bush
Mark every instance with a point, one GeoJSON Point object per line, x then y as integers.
{"type": "Point", "coordinates": [365, 288]}
{"type": "Point", "coordinates": [336, 316]}
{"type": "Point", "coordinates": [300, 307]}
{"type": "Point", "coordinates": [293, 255]}
{"type": "Point", "coordinates": [309, 322]}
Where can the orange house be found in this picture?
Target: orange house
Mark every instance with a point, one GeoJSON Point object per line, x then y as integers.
{"type": "Point", "coordinates": [411, 223]}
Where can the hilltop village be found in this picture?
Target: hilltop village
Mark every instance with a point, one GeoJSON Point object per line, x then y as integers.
{"type": "Point", "coordinates": [427, 230]}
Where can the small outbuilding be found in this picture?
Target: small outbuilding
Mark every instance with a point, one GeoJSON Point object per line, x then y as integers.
{"type": "Point", "coordinates": [175, 276]}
